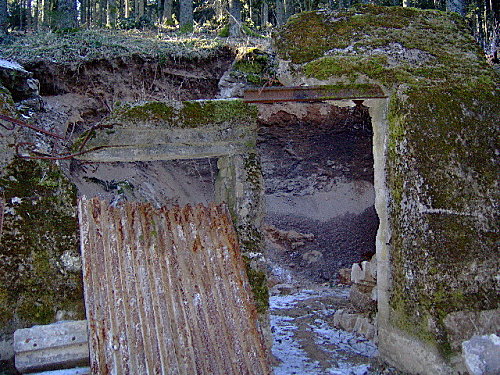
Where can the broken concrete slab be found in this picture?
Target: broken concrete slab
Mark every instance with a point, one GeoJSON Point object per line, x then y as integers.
{"type": "Point", "coordinates": [461, 325]}
{"type": "Point", "coordinates": [71, 371]}
{"type": "Point", "coordinates": [49, 347]}
{"type": "Point", "coordinates": [482, 355]}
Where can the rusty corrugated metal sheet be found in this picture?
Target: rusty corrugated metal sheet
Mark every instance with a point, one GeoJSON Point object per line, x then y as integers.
{"type": "Point", "coordinates": [2, 209]}
{"type": "Point", "coordinates": [166, 292]}
{"type": "Point", "coordinates": [312, 93]}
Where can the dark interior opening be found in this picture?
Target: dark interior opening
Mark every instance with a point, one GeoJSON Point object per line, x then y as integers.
{"type": "Point", "coordinates": [317, 163]}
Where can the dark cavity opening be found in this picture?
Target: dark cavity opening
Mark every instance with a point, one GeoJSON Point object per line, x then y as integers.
{"type": "Point", "coordinates": [317, 163]}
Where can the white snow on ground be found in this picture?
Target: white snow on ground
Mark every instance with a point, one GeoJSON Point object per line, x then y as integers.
{"type": "Point", "coordinates": [341, 340]}
{"type": "Point", "coordinates": [305, 343]}
{"type": "Point", "coordinates": [6, 64]}
{"type": "Point", "coordinates": [291, 300]}
{"type": "Point", "coordinates": [294, 360]}
{"type": "Point", "coordinates": [348, 369]}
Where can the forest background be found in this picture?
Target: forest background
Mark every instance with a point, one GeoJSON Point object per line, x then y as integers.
{"type": "Point", "coordinates": [223, 17]}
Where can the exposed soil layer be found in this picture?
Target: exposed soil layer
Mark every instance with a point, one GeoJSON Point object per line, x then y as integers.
{"type": "Point", "coordinates": [135, 77]}
{"type": "Point", "coordinates": [161, 183]}
{"type": "Point", "coordinates": [318, 174]}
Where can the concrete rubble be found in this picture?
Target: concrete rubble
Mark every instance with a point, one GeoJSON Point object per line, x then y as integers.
{"type": "Point", "coordinates": [482, 355]}
{"type": "Point", "coordinates": [363, 295]}
{"type": "Point", "coordinates": [50, 347]}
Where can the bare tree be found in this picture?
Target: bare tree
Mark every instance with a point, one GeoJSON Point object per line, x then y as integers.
{"type": "Point", "coordinates": [280, 12]}
{"type": "Point", "coordinates": [167, 11]}
{"type": "Point", "coordinates": [65, 15]}
{"type": "Point", "coordinates": [111, 14]}
{"type": "Point", "coordinates": [3, 18]}
{"type": "Point", "coordinates": [235, 18]}
{"type": "Point", "coordinates": [457, 6]}
{"type": "Point", "coordinates": [186, 16]}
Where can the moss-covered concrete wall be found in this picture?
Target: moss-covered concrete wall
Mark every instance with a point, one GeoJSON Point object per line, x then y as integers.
{"type": "Point", "coordinates": [40, 272]}
{"type": "Point", "coordinates": [441, 161]}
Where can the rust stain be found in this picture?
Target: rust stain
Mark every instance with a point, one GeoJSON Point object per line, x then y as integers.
{"type": "Point", "coordinates": [166, 292]}
{"type": "Point", "coordinates": [2, 210]}
{"type": "Point", "coordinates": [311, 93]}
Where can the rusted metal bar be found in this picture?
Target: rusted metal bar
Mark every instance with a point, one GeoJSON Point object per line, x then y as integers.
{"type": "Point", "coordinates": [32, 127]}
{"type": "Point", "coordinates": [42, 156]}
{"type": "Point", "coordinates": [166, 292]}
{"type": "Point", "coordinates": [312, 93]}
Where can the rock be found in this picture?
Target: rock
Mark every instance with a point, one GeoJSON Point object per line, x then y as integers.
{"type": "Point", "coordinates": [357, 273]}
{"type": "Point", "coordinates": [461, 325]}
{"type": "Point", "coordinates": [18, 81]}
{"type": "Point", "coordinates": [283, 289]}
{"type": "Point", "coordinates": [345, 276]}
{"type": "Point", "coordinates": [361, 300]}
{"type": "Point", "coordinates": [348, 321]}
{"type": "Point", "coordinates": [6, 348]}
{"type": "Point", "coordinates": [312, 256]}
{"type": "Point", "coordinates": [73, 371]}
{"type": "Point", "coordinates": [363, 273]}
{"type": "Point", "coordinates": [482, 355]}
{"type": "Point", "coordinates": [53, 346]}
{"type": "Point", "coordinates": [337, 317]}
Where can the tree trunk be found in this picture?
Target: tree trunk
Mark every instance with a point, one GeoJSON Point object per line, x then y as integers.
{"type": "Point", "coordinates": [289, 9]}
{"type": "Point", "coordinates": [186, 16]}
{"type": "Point", "coordinates": [280, 13]}
{"type": "Point", "coordinates": [220, 10]}
{"type": "Point", "coordinates": [65, 15]}
{"type": "Point", "coordinates": [264, 19]}
{"type": "Point", "coordinates": [128, 8]}
{"type": "Point", "coordinates": [45, 16]}
{"type": "Point", "coordinates": [3, 18]}
{"type": "Point", "coordinates": [29, 17]}
{"type": "Point", "coordinates": [235, 18]}
{"type": "Point", "coordinates": [167, 12]}
{"type": "Point", "coordinates": [457, 6]}
{"type": "Point", "coordinates": [111, 14]}
{"type": "Point", "coordinates": [83, 11]}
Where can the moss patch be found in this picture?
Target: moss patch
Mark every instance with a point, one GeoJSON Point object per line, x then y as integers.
{"type": "Point", "coordinates": [389, 45]}
{"type": "Point", "coordinates": [188, 114]}
{"type": "Point", "coordinates": [260, 289]}
{"type": "Point", "coordinates": [254, 66]}
{"type": "Point", "coordinates": [40, 226]}
{"type": "Point", "coordinates": [7, 106]}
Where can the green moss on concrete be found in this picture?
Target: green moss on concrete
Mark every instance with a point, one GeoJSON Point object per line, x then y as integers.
{"type": "Point", "coordinates": [199, 113]}
{"type": "Point", "coordinates": [260, 289]}
{"type": "Point", "coordinates": [388, 45]}
{"type": "Point", "coordinates": [441, 167]}
{"type": "Point", "coordinates": [188, 114]}
{"type": "Point", "coordinates": [40, 225]}
{"type": "Point", "coordinates": [254, 66]}
{"type": "Point", "coordinates": [7, 106]}
{"type": "Point", "coordinates": [152, 111]}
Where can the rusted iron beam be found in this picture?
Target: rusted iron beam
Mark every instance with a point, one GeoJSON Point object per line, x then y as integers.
{"type": "Point", "coordinates": [313, 93]}
{"type": "Point", "coordinates": [166, 292]}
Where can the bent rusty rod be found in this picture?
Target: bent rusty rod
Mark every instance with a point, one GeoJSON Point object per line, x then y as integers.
{"type": "Point", "coordinates": [22, 123]}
